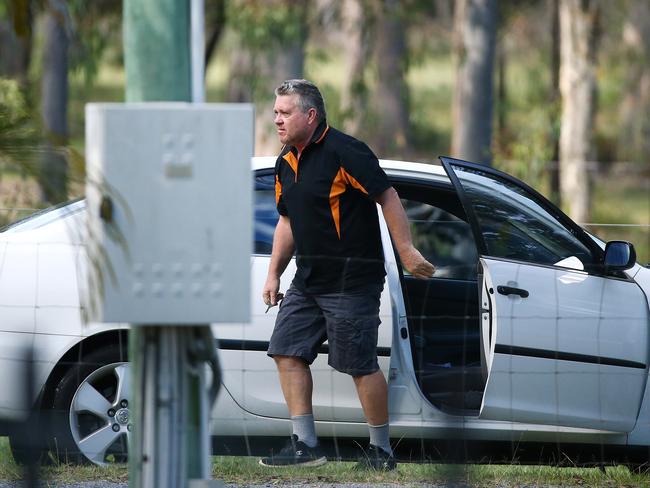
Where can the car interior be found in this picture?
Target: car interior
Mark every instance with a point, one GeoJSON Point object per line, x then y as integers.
{"type": "Point", "coordinates": [442, 312]}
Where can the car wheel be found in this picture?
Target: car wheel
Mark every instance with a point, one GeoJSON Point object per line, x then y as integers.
{"type": "Point", "coordinates": [91, 417]}
{"type": "Point", "coordinates": [28, 446]}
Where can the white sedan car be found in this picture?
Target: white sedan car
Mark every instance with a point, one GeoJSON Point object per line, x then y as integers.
{"type": "Point", "coordinates": [532, 331]}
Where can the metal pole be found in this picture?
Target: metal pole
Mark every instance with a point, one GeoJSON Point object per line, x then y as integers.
{"type": "Point", "coordinates": [170, 442]}
{"type": "Point", "coordinates": [198, 50]}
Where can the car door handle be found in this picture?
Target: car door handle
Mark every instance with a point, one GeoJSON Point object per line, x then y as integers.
{"type": "Point", "coordinates": [509, 290]}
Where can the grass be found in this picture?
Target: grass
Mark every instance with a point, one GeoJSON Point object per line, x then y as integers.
{"type": "Point", "coordinates": [245, 470]}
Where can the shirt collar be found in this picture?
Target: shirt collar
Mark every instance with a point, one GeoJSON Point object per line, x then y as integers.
{"type": "Point", "coordinates": [319, 133]}
{"type": "Point", "coordinates": [316, 138]}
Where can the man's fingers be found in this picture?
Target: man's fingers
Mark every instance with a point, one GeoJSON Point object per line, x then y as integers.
{"type": "Point", "coordinates": [268, 297]}
{"type": "Point", "coordinates": [424, 270]}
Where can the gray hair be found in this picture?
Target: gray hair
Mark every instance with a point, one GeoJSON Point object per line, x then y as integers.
{"type": "Point", "coordinates": [309, 96]}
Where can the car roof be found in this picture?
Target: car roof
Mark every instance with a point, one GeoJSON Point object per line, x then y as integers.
{"type": "Point", "coordinates": [393, 166]}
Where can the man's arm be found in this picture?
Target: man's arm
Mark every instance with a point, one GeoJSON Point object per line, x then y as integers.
{"type": "Point", "coordinates": [398, 225]}
{"type": "Point", "coordinates": [281, 254]}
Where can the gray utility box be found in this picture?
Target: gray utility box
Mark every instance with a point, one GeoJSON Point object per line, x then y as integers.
{"type": "Point", "coordinates": [169, 198]}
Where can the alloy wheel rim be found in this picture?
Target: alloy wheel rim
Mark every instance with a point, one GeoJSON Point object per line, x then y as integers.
{"type": "Point", "coordinates": [100, 419]}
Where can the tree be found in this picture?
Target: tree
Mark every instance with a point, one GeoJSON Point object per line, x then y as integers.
{"type": "Point", "coordinates": [474, 46]}
{"type": "Point", "coordinates": [356, 26]}
{"type": "Point", "coordinates": [271, 38]}
{"type": "Point", "coordinates": [54, 101]}
{"type": "Point", "coordinates": [634, 137]}
{"type": "Point", "coordinates": [16, 40]}
{"type": "Point", "coordinates": [215, 20]}
{"type": "Point", "coordinates": [392, 94]}
{"type": "Point", "coordinates": [578, 49]}
{"type": "Point", "coordinates": [554, 97]}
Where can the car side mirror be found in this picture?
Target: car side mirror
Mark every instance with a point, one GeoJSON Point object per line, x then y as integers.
{"type": "Point", "coordinates": [619, 255]}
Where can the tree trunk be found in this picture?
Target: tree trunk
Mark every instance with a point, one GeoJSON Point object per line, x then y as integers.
{"type": "Point", "coordinates": [578, 39]}
{"type": "Point", "coordinates": [53, 174]}
{"type": "Point", "coordinates": [16, 42]}
{"type": "Point", "coordinates": [392, 137]}
{"type": "Point", "coordinates": [354, 97]}
{"type": "Point", "coordinates": [634, 138]}
{"type": "Point", "coordinates": [216, 22]}
{"type": "Point", "coordinates": [502, 89]}
{"type": "Point", "coordinates": [554, 97]}
{"type": "Point", "coordinates": [474, 46]}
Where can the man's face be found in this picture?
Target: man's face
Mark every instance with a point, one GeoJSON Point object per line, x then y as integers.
{"type": "Point", "coordinates": [294, 126]}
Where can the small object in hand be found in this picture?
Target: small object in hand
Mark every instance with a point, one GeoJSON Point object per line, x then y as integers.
{"type": "Point", "coordinates": [278, 299]}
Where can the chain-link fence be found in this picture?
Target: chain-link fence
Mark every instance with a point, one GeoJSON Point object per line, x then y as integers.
{"type": "Point", "coordinates": [502, 363]}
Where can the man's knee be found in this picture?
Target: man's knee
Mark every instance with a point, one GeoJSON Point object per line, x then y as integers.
{"type": "Point", "coordinates": [284, 363]}
{"type": "Point", "coordinates": [373, 377]}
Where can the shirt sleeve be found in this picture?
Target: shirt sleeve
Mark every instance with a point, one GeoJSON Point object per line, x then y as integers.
{"type": "Point", "coordinates": [362, 171]}
{"type": "Point", "coordinates": [279, 201]}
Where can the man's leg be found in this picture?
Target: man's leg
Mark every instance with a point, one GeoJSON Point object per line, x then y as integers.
{"type": "Point", "coordinates": [352, 331]}
{"type": "Point", "coordinates": [296, 383]}
{"type": "Point", "coordinates": [297, 386]}
{"type": "Point", "coordinates": [373, 395]}
{"type": "Point", "coordinates": [298, 333]}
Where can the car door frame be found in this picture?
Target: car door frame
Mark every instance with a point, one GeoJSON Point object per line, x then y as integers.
{"type": "Point", "coordinates": [577, 231]}
{"type": "Point", "coordinates": [595, 269]}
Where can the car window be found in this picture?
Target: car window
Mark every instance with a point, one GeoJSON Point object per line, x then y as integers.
{"type": "Point", "coordinates": [516, 224]}
{"type": "Point", "coordinates": [439, 233]}
{"type": "Point", "coordinates": [266, 214]}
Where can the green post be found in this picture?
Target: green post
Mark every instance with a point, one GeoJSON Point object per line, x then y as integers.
{"type": "Point", "coordinates": [157, 50]}
{"type": "Point", "coordinates": [169, 446]}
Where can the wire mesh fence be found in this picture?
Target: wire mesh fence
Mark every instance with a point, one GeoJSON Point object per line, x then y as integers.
{"type": "Point", "coordinates": [474, 375]}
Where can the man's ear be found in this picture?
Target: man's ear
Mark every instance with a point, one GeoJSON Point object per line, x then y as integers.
{"type": "Point", "coordinates": [311, 115]}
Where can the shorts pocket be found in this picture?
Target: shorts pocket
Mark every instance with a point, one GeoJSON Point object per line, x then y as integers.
{"type": "Point", "coordinates": [353, 346]}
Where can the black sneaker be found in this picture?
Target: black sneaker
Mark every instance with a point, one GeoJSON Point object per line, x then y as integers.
{"type": "Point", "coordinates": [295, 453]}
{"type": "Point", "coordinates": [377, 459]}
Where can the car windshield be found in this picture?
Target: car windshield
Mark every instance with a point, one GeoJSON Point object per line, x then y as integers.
{"type": "Point", "coordinates": [45, 216]}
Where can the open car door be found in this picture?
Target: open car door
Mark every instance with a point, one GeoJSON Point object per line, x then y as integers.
{"type": "Point", "coordinates": [563, 342]}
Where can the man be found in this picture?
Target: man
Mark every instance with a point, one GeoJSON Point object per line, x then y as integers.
{"type": "Point", "coordinates": [327, 184]}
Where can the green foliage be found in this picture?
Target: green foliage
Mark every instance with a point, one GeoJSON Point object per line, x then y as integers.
{"type": "Point", "coordinates": [529, 149]}
{"type": "Point", "coordinates": [94, 27]}
{"type": "Point", "coordinates": [18, 134]}
{"type": "Point", "coordinates": [264, 24]}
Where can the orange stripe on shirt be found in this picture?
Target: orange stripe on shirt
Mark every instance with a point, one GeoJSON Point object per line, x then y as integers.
{"type": "Point", "coordinates": [338, 188]}
{"type": "Point", "coordinates": [323, 134]}
{"type": "Point", "coordinates": [278, 189]}
{"type": "Point", "coordinates": [293, 162]}
{"type": "Point", "coordinates": [352, 181]}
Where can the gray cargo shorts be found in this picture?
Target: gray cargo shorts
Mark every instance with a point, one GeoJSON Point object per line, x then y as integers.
{"type": "Point", "coordinates": [348, 322]}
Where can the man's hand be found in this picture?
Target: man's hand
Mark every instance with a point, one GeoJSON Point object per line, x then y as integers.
{"type": "Point", "coordinates": [270, 291]}
{"type": "Point", "coordinates": [415, 264]}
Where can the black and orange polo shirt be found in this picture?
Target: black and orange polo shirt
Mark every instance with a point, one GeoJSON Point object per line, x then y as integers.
{"type": "Point", "coordinates": [328, 194]}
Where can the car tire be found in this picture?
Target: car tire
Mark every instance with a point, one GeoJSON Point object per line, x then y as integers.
{"type": "Point", "coordinates": [90, 410]}
{"type": "Point", "coordinates": [29, 446]}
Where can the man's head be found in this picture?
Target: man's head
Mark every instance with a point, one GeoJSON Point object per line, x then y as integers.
{"type": "Point", "coordinates": [298, 109]}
